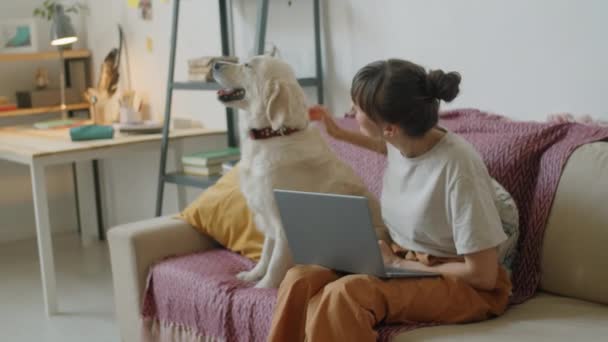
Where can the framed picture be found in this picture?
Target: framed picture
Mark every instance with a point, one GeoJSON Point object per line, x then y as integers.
{"type": "Point", "coordinates": [18, 36]}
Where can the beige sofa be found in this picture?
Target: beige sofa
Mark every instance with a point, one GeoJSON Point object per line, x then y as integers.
{"type": "Point", "coordinates": [572, 304]}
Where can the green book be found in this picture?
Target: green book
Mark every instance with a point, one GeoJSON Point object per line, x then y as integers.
{"type": "Point", "coordinates": [54, 124]}
{"type": "Point", "coordinates": [203, 170]}
{"type": "Point", "coordinates": [212, 157]}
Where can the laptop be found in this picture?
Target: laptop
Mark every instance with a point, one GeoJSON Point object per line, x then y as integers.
{"type": "Point", "coordinates": [334, 231]}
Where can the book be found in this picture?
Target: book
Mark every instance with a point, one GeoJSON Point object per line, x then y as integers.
{"type": "Point", "coordinates": [7, 107]}
{"type": "Point", "coordinates": [212, 157]}
{"type": "Point", "coordinates": [59, 124]}
{"type": "Point", "coordinates": [203, 170]}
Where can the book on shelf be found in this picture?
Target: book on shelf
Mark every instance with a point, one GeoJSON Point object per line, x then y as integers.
{"type": "Point", "coordinates": [5, 107]}
{"type": "Point", "coordinates": [212, 157]}
{"type": "Point", "coordinates": [203, 170]}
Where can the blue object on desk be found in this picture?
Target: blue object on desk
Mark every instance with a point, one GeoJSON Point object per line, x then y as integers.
{"type": "Point", "coordinates": [91, 132]}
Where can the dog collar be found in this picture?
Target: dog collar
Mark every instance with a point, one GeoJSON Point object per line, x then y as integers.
{"type": "Point", "coordinates": [268, 132]}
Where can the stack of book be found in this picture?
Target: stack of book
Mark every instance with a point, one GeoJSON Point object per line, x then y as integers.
{"type": "Point", "coordinates": [210, 163]}
{"type": "Point", "coordinates": [5, 105]}
{"type": "Point", "coordinates": [200, 69]}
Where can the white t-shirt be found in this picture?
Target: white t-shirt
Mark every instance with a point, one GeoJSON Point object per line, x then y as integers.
{"type": "Point", "coordinates": [442, 202]}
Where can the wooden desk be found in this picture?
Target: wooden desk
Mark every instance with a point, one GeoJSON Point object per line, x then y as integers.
{"type": "Point", "coordinates": [39, 148]}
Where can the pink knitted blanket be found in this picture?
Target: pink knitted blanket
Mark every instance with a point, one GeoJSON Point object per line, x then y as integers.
{"type": "Point", "coordinates": [199, 294]}
{"type": "Point", "coordinates": [527, 159]}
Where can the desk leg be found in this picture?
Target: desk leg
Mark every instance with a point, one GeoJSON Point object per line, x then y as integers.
{"type": "Point", "coordinates": [87, 206]}
{"type": "Point", "coordinates": [45, 244]}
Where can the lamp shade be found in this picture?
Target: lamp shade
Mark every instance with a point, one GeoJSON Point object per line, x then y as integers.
{"type": "Point", "coordinates": [62, 31]}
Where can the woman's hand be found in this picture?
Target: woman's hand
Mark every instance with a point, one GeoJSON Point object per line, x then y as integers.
{"type": "Point", "coordinates": [393, 260]}
{"type": "Point", "coordinates": [321, 113]}
{"type": "Point", "coordinates": [389, 257]}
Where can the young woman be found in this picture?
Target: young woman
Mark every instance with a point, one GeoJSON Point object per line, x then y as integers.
{"type": "Point", "coordinates": [438, 204]}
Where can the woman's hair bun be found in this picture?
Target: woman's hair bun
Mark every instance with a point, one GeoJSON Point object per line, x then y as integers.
{"type": "Point", "coordinates": [443, 86]}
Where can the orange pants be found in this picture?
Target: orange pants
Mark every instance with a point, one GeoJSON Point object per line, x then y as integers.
{"type": "Point", "coordinates": [316, 303]}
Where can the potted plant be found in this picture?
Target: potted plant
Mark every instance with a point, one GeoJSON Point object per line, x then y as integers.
{"type": "Point", "coordinates": [46, 11]}
{"type": "Point", "coordinates": [50, 9]}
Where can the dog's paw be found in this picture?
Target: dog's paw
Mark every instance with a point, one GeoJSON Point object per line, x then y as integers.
{"type": "Point", "coordinates": [248, 276]}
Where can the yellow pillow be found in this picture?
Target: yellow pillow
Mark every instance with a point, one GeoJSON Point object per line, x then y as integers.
{"type": "Point", "coordinates": [221, 212]}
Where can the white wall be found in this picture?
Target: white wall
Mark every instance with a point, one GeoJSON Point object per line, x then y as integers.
{"type": "Point", "coordinates": [146, 72]}
{"type": "Point", "coordinates": [198, 36]}
{"type": "Point", "coordinates": [524, 59]}
{"type": "Point", "coordinates": [521, 58]}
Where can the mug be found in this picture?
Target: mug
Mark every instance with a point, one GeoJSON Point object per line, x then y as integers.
{"type": "Point", "coordinates": [129, 115]}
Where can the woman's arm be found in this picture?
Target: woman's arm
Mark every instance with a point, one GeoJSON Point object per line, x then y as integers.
{"type": "Point", "coordinates": [358, 139]}
{"type": "Point", "coordinates": [479, 269]}
{"type": "Point", "coordinates": [376, 145]}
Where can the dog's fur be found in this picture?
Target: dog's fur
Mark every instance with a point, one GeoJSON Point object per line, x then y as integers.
{"type": "Point", "coordinates": [299, 161]}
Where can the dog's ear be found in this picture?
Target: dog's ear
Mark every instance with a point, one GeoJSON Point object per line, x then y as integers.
{"type": "Point", "coordinates": [274, 51]}
{"type": "Point", "coordinates": [276, 101]}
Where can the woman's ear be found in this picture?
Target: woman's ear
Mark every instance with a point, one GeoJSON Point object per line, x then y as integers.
{"type": "Point", "coordinates": [390, 130]}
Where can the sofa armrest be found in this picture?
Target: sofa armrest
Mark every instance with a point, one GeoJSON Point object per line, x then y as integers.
{"type": "Point", "coordinates": [134, 247]}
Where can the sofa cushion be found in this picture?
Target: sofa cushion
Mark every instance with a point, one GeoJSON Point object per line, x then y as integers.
{"type": "Point", "coordinates": [509, 217]}
{"type": "Point", "coordinates": [200, 293]}
{"type": "Point", "coordinates": [544, 317]}
{"type": "Point", "coordinates": [221, 212]}
{"type": "Point", "coordinates": [575, 251]}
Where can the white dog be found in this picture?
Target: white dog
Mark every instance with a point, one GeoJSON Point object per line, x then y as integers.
{"type": "Point", "coordinates": [280, 150]}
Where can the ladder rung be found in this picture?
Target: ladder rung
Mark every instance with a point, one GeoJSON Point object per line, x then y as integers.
{"type": "Point", "coordinates": [191, 85]}
{"type": "Point", "coordinates": [181, 178]}
{"type": "Point", "coordinates": [308, 82]}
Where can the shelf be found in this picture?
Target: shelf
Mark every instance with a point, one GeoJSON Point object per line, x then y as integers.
{"type": "Point", "coordinates": [67, 54]}
{"type": "Point", "coordinates": [308, 82]}
{"type": "Point", "coordinates": [191, 85]}
{"type": "Point", "coordinates": [44, 110]}
{"type": "Point", "coordinates": [181, 178]}
{"type": "Point", "coordinates": [200, 85]}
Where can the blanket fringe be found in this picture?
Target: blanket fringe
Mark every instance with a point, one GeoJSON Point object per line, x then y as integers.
{"type": "Point", "coordinates": [154, 330]}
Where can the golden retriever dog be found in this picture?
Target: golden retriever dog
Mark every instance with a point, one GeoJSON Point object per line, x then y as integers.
{"type": "Point", "coordinates": [280, 149]}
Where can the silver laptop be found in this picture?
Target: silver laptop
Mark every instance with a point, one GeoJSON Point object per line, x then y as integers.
{"type": "Point", "coordinates": [334, 231]}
